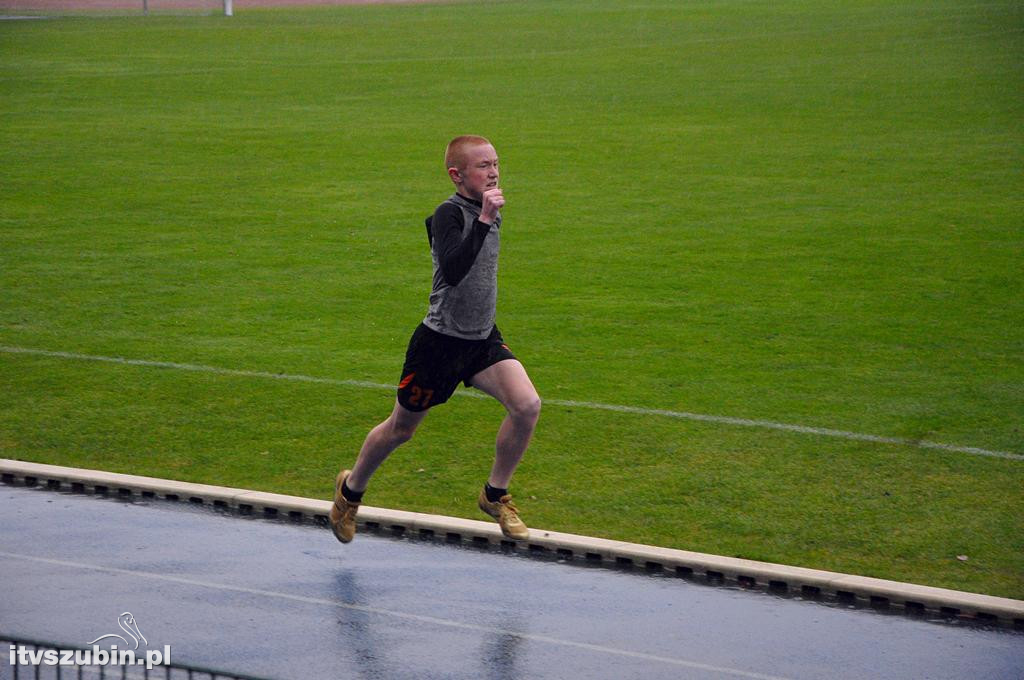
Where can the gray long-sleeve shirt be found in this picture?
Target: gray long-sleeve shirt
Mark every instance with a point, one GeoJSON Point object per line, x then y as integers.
{"type": "Point", "coordinates": [463, 300]}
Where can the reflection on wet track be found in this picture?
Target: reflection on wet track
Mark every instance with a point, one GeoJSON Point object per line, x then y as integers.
{"type": "Point", "coordinates": [285, 600]}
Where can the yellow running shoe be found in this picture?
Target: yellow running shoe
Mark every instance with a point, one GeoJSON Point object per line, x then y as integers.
{"type": "Point", "coordinates": [507, 515]}
{"type": "Point", "coordinates": [343, 513]}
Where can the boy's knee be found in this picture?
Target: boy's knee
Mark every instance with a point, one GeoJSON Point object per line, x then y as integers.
{"type": "Point", "coordinates": [527, 409]}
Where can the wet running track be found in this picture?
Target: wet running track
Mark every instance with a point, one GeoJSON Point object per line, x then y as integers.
{"type": "Point", "coordinates": [285, 600]}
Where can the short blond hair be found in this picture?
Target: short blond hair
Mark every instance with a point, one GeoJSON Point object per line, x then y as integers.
{"type": "Point", "coordinates": [455, 154]}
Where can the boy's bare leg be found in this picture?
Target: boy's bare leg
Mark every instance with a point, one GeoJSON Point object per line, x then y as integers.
{"type": "Point", "coordinates": [380, 442]}
{"type": "Point", "coordinates": [508, 382]}
{"type": "Point", "coordinates": [350, 484]}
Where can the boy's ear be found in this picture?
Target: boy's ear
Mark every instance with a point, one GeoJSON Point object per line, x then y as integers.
{"type": "Point", "coordinates": [455, 175]}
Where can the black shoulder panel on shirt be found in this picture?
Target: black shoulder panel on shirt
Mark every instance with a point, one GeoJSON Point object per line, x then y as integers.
{"type": "Point", "coordinates": [446, 214]}
{"type": "Point", "coordinates": [455, 253]}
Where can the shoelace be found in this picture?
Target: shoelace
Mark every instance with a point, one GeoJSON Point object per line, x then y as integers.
{"type": "Point", "coordinates": [350, 510]}
{"type": "Point", "coordinates": [510, 508]}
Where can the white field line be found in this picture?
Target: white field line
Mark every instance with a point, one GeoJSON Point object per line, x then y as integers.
{"type": "Point", "coordinates": [418, 618]}
{"type": "Point", "coordinates": [616, 408]}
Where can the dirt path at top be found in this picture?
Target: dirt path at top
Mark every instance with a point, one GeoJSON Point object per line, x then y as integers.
{"type": "Point", "coordinates": [87, 5]}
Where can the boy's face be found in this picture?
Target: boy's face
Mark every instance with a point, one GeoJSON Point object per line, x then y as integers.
{"type": "Point", "coordinates": [479, 172]}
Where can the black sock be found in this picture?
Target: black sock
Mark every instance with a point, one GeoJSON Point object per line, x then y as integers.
{"type": "Point", "coordinates": [494, 495]}
{"type": "Point", "coordinates": [350, 495]}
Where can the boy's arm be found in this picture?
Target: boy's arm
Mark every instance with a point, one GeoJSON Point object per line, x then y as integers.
{"type": "Point", "coordinates": [455, 254]}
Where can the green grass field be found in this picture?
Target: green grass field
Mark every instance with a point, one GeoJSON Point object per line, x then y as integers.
{"type": "Point", "coordinates": [803, 212]}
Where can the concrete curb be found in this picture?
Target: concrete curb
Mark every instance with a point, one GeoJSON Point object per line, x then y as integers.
{"type": "Point", "coordinates": [749, 573]}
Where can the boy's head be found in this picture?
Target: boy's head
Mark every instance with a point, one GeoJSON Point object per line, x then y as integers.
{"type": "Point", "coordinates": [472, 165]}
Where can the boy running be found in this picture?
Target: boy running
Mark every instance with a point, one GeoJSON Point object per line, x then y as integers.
{"type": "Point", "coordinates": [457, 342]}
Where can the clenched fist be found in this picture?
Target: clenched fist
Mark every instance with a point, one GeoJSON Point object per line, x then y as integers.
{"type": "Point", "coordinates": [493, 200]}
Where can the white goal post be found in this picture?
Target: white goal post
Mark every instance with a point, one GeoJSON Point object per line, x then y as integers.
{"type": "Point", "coordinates": [227, 4]}
{"type": "Point", "coordinates": [54, 8]}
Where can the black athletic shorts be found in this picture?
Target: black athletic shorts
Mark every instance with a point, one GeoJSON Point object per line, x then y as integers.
{"type": "Point", "coordinates": [435, 364]}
